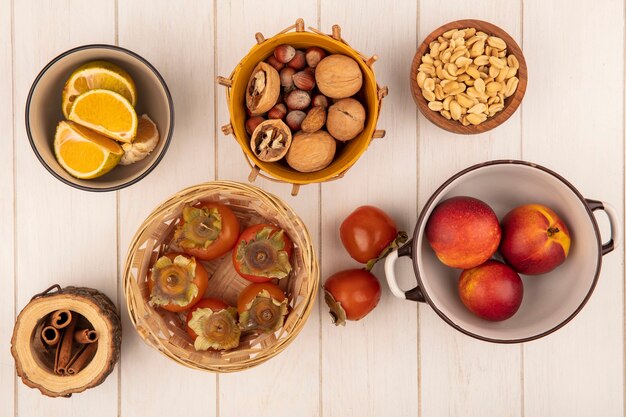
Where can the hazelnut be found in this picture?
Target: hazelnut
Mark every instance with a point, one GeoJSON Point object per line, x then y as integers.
{"type": "Point", "coordinates": [263, 89]}
{"type": "Point", "coordinates": [314, 55]}
{"type": "Point", "coordinates": [311, 152]}
{"type": "Point", "coordinates": [338, 76]}
{"type": "Point", "coordinates": [294, 119]}
{"type": "Point", "coordinates": [314, 120]}
{"type": "Point", "coordinates": [286, 77]}
{"type": "Point", "coordinates": [298, 62]}
{"type": "Point", "coordinates": [298, 100]}
{"type": "Point", "coordinates": [319, 100]}
{"type": "Point", "coordinates": [284, 53]}
{"type": "Point", "coordinates": [253, 122]}
{"type": "Point", "coordinates": [304, 80]}
{"type": "Point", "coordinates": [275, 63]}
{"type": "Point", "coordinates": [346, 119]}
{"type": "Point", "coordinates": [279, 111]}
{"type": "Point", "coordinates": [271, 140]}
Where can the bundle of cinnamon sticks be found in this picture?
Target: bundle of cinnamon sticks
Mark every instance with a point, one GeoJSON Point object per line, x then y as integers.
{"type": "Point", "coordinates": [73, 347]}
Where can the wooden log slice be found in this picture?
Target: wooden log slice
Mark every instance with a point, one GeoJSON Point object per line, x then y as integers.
{"type": "Point", "coordinates": [97, 309]}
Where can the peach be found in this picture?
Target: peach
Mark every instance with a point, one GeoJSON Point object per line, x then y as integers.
{"type": "Point", "coordinates": [493, 291]}
{"type": "Point", "coordinates": [534, 239]}
{"type": "Point", "coordinates": [463, 231]}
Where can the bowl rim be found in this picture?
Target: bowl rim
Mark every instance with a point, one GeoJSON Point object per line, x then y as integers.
{"type": "Point", "coordinates": [422, 219]}
{"type": "Point", "coordinates": [170, 104]}
{"type": "Point", "coordinates": [492, 122]}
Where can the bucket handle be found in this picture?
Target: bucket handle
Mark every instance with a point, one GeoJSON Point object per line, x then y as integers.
{"type": "Point", "coordinates": [615, 239]}
{"type": "Point", "coordinates": [56, 287]}
{"type": "Point", "coordinates": [414, 294]}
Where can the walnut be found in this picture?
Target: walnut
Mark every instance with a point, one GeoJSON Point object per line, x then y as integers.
{"type": "Point", "coordinates": [271, 140]}
{"type": "Point", "coordinates": [338, 76]}
{"type": "Point", "coordinates": [263, 89]}
{"type": "Point", "coordinates": [346, 119]}
{"type": "Point", "coordinates": [311, 152]}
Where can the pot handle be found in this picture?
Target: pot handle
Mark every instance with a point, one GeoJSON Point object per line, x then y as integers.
{"type": "Point", "coordinates": [615, 239]}
{"type": "Point", "coordinates": [414, 294]}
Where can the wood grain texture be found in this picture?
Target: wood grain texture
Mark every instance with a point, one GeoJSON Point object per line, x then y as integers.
{"type": "Point", "coordinates": [460, 375]}
{"type": "Point", "coordinates": [370, 367]}
{"type": "Point", "coordinates": [510, 105]}
{"type": "Point", "coordinates": [578, 371]}
{"type": "Point", "coordinates": [7, 199]}
{"type": "Point", "coordinates": [402, 359]}
{"type": "Point", "coordinates": [101, 314]}
{"type": "Point", "coordinates": [178, 40]}
{"type": "Point", "coordinates": [74, 229]}
{"type": "Point", "coordinates": [288, 384]}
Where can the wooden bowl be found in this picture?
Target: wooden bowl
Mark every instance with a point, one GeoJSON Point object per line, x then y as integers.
{"type": "Point", "coordinates": [34, 360]}
{"type": "Point", "coordinates": [165, 331]}
{"type": "Point", "coordinates": [43, 112]}
{"type": "Point", "coordinates": [347, 154]}
{"type": "Point", "coordinates": [510, 104]}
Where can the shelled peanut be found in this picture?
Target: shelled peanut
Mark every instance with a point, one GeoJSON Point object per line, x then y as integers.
{"type": "Point", "coordinates": [466, 75]}
{"type": "Point", "coordinates": [300, 99]}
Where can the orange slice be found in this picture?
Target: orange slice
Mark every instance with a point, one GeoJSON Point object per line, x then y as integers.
{"type": "Point", "coordinates": [84, 153]}
{"type": "Point", "coordinates": [106, 112]}
{"type": "Point", "coordinates": [98, 75]}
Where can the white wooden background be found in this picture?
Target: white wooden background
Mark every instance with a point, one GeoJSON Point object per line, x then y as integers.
{"type": "Point", "coordinates": [402, 360]}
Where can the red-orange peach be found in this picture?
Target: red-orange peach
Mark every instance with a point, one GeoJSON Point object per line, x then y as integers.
{"type": "Point", "coordinates": [493, 291]}
{"type": "Point", "coordinates": [534, 239]}
{"type": "Point", "coordinates": [463, 231]}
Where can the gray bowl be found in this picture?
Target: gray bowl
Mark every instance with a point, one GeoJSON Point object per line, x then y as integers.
{"type": "Point", "coordinates": [43, 112]}
{"type": "Point", "coordinates": [551, 300]}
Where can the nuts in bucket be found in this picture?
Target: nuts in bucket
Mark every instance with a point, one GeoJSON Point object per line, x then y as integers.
{"type": "Point", "coordinates": [467, 75]}
{"type": "Point", "coordinates": [308, 95]}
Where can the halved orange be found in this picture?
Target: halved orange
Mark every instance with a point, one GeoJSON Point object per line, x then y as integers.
{"type": "Point", "coordinates": [106, 112]}
{"type": "Point", "coordinates": [98, 75]}
{"type": "Point", "coordinates": [84, 153]}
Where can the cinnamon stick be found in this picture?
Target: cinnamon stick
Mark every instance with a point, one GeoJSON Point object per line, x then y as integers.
{"type": "Point", "coordinates": [84, 336]}
{"type": "Point", "coordinates": [86, 353]}
{"type": "Point", "coordinates": [50, 335]}
{"type": "Point", "coordinates": [38, 343]}
{"type": "Point", "coordinates": [56, 356]}
{"type": "Point", "coordinates": [61, 318]}
{"type": "Point", "coordinates": [64, 350]}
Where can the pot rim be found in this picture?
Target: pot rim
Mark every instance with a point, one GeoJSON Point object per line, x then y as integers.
{"type": "Point", "coordinates": [149, 66]}
{"type": "Point", "coordinates": [422, 219]}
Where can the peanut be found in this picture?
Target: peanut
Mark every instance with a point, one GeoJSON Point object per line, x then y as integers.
{"type": "Point", "coordinates": [421, 77]}
{"type": "Point", "coordinates": [496, 42]}
{"type": "Point", "coordinates": [455, 110]}
{"type": "Point", "coordinates": [435, 105]}
{"type": "Point", "coordinates": [467, 74]}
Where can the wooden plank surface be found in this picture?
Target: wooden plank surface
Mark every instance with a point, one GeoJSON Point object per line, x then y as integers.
{"type": "Point", "coordinates": [370, 367]}
{"type": "Point", "coordinates": [579, 371]}
{"type": "Point", "coordinates": [150, 382]}
{"type": "Point", "coordinates": [460, 375]}
{"type": "Point", "coordinates": [64, 235]}
{"type": "Point", "coordinates": [288, 384]}
{"type": "Point", "coordinates": [7, 220]}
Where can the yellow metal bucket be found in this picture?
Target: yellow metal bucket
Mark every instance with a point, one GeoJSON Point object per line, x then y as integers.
{"type": "Point", "coordinates": [371, 96]}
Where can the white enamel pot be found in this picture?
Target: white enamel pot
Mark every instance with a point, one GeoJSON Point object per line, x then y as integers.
{"type": "Point", "coordinates": [550, 300]}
